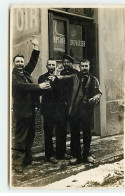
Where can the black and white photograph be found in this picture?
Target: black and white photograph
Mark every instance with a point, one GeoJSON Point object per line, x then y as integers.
{"type": "Point", "coordinates": [66, 96]}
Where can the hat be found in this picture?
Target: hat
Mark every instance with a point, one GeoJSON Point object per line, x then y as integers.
{"type": "Point", "coordinates": [68, 57]}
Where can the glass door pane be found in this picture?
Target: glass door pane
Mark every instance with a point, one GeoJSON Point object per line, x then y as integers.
{"type": "Point", "coordinates": [59, 39]}
{"type": "Point", "coordinates": [76, 44]}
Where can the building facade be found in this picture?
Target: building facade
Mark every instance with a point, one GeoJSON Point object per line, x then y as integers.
{"type": "Point", "coordinates": [97, 34]}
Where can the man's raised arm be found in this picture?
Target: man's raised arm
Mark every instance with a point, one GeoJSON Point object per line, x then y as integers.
{"type": "Point", "coordinates": [34, 56]}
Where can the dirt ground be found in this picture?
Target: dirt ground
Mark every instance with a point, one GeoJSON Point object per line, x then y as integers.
{"type": "Point", "coordinates": [107, 175]}
{"type": "Point", "coordinates": [41, 173]}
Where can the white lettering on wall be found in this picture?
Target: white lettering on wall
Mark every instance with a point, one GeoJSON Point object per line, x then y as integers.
{"type": "Point", "coordinates": [20, 19]}
{"type": "Point", "coordinates": [26, 20]}
{"type": "Point", "coordinates": [33, 18]}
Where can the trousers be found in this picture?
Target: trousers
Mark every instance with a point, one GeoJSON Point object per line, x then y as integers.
{"type": "Point", "coordinates": [81, 122]}
{"type": "Point", "coordinates": [23, 141]}
{"type": "Point", "coordinates": [58, 121]}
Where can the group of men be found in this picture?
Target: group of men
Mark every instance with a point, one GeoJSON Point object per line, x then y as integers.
{"type": "Point", "coordinates": [66, 98]}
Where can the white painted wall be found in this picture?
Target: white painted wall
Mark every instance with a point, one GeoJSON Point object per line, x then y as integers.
{"type": "Point", "coordinates": [111, 62]}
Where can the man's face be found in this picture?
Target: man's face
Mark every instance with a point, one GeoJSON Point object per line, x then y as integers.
{"type": "Point", "coordinates": [67, 64]}
{"type": "Point", "coordinates": [84, 68]}
{"type": "Point", "coordinates": [51, 65]}
{"type": "Point", "coordinates": [19, 63]}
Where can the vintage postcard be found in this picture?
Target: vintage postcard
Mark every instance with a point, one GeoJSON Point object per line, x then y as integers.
{"type": "Point", "coordinates": [67, 96]}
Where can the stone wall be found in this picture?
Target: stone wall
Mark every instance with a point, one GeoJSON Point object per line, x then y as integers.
{"type": "Point", "coordinates": [111, 63]}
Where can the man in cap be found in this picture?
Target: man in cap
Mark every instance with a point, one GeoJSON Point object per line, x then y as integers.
{"type": "Point", "coordinates": [64, 95]}
{"type": "Point", "coordinates": [68, 62]}
{"type": "Point", "coordinates": [86, 94]}
{"type": "Point", "coordinates": [24, 93]}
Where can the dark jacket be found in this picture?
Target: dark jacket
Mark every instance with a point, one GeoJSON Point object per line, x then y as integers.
{"type": "Point", "coordinates": [48, 105]}
{"type": "Point", "coordinates": [65, 86]}
{"type": "Point", "coordinates": [68, 71]}
{"type": "Point", "coordinates": [24, 90]}
{"type": "Point", "coordinates": [80, 92]}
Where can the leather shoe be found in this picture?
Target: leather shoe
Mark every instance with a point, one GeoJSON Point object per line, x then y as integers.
{"type": "Point", "coordinates": [52, 160]}
{"type": "Point", "coordinates": [74, 161]}
{"type": "Point", "coordinates": [65, 157]}
{"type": "Point", "coordinates": [18, 169]}
{"type": "Point", "coordinates": [89, 159]}
{"type": "Point", "coordinates": [29, 162]}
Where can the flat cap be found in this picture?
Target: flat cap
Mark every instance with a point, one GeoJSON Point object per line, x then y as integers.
{"type": "Point", "coordinates": [68, 57]}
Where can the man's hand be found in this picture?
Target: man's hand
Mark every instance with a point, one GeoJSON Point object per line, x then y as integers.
{"type": "Point", "coordinates": [97, 98]}
{"type": "Point", "coordinates": [35, 42]}
{"type": "Point", "coordinates": [52, 78]}
{"type": "Point", "coordinates": [92, 101]}
{"type": "Point", "coordinates": [45, 85]}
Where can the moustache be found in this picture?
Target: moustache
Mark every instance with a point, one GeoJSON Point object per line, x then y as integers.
{"type": "Point", "coordinates": [51, 69]}
{"type": "Point", "coordinates": [21, 66]}
{"type": "Point", "coordinates": [66, 66]}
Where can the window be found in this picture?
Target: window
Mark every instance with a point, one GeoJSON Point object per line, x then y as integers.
{"type": "Point", "coordinates": [71, 35]}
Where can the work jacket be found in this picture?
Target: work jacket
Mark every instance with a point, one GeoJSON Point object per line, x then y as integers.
{"type": "Point", "coordinates": [65, 86]}
{"type": "Point", "coordinates": [81, 94]}
{"type": "Point", "coordinates": [24, 91]}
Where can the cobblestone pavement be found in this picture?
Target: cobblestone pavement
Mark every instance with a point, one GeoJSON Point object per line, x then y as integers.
{"type": "Point", "coordinates": [41, 173]}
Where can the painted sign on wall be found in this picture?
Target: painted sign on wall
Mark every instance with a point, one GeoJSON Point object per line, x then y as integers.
{"type": "Point", "coordinates": [26, 22]}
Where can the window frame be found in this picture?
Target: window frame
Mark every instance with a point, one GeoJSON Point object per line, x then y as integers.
{"type": "Point", "coordinates": [84, 22]}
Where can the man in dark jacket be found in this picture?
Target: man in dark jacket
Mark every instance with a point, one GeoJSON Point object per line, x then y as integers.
{"type": "Point", "coordinates": [66, 86]}
{"type": "Point", "coordinates": [24, 92]}
{"type": "Point", "coordinates": [85, 95]}
{"type": "Point", "coordinates": [48, 109]}
{"type": "Point", "coordinates": [64, 93]}
{"type": "Point", "coordinates": [53, 114]}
